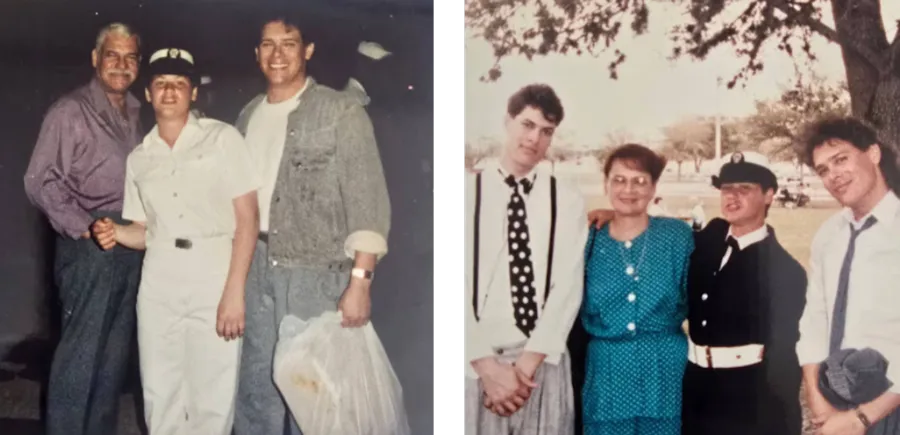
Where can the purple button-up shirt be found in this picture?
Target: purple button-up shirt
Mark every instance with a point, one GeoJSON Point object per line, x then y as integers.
{"type": "Point", "coordinates": [78, 164]}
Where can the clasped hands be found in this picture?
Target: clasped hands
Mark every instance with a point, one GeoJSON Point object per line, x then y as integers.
{"type": "Point", "coordinates": [230, 313]}
{"type": "Point", "coordinates": [507, 387]}
{"type": "Point", "coordinates": [103, 231]}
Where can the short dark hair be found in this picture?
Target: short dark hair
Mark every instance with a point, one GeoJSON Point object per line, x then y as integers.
{"type": "Point", "coordinates": [539, 96]}
{"type": "Point", "coordinates": [638, 157]}
{"type": "Point", "coordinates": [291, 18]}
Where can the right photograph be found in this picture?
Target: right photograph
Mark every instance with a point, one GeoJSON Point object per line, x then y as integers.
{"type": "Point", "coordinates": [682, 217]}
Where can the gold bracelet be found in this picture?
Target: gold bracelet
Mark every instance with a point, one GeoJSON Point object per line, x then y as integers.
{"type": "Point", "coordinates": [862, 417]}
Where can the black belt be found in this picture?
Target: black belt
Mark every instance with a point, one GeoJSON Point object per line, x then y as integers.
{"type": "Point", "coordinates": [264, 237]}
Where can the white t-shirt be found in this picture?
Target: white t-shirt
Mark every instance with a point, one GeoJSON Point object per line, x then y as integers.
{"type": "Point", "coordinates": [265, 136]}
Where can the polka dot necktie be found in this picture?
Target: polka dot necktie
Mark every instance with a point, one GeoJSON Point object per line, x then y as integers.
{"type": "Point", "coordinates": [521, 273]}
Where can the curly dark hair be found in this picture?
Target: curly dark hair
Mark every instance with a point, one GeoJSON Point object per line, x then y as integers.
{"type": "Point", "coordinates": [638, 157]}
{"type": "Point", "coordinates": [539, 96]}
{"type": "Point", "coordinates": [855, 132]}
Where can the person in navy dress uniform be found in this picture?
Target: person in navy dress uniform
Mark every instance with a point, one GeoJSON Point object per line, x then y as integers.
{"type": "Point", "coordinates": [746, 295]}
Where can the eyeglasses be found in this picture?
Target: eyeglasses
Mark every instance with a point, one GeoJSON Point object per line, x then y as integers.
{"type": "Point", "coordinates": [620, 182]}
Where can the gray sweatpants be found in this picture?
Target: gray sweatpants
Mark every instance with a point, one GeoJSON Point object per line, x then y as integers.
{"type": "Point", "coordinates": [273, 292]}
{"type": "Point", "coordinates": [549, 410]}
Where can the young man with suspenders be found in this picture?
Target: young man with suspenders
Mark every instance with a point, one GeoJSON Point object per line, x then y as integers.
{"type": "Point", "coordinates": [525, 236]}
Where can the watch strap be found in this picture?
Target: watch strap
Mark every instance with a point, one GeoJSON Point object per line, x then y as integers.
{"type": "Point", "coordinates": [359, 272]}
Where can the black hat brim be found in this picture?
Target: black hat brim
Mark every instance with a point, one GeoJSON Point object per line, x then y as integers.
{"type": "Point", "coordinates": [178, 67]}
{"type": "Point", "coordinates": [744, 172]}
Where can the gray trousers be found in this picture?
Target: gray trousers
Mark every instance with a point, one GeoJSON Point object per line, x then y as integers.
{"type": "Point", "coordinates": [97, 294]}
{"type": "Point", "coordinates": [272, 292]}
{"type": "Point", "coordinates": [550, 409]}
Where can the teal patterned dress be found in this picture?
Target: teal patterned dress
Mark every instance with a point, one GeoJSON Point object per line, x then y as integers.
{"type": "Point", "coordinates": [634, 304]}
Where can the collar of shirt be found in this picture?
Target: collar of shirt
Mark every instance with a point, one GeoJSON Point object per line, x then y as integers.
{"type": "Point", "coordinates": [495, 167]}
{"type": "Point", "coordinates": [101, 101]}
{"type": "Point", "coordinates": [296, 97]}
{"type": "Point", "coordinates": [750, 238]}
{"type": "Point", "coordinates": [153, 142]}
{"type": "Point", "coordinates": [885, 211]}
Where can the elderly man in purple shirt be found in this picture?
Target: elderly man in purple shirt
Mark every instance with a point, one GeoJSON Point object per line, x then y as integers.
{"type": "Point", "coordinates": [77, 175]}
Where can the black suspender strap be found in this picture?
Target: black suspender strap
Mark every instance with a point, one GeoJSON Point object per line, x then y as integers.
{"type": "Point", "coordinates": [552, 239]}
{"type": "Point", "coordinates": [477, 227]}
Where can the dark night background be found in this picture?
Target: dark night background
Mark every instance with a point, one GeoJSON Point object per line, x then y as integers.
{"type": "Point", "coordinates": [45, 52]}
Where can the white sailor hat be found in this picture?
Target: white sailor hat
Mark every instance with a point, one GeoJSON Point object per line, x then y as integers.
{"type": "Point", "coordinates": [745, 167]}
{"type": "Point", "coordinates": [175, 61]}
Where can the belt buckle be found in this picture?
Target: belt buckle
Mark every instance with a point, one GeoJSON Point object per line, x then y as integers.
{"type": "Point", "coordinates": [183, 244]}
{"type": "Point", "coordinates": [709, 357]}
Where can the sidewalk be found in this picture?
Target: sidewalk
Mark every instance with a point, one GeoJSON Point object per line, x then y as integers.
{"type": "Point", "coordinates": [21, 376]}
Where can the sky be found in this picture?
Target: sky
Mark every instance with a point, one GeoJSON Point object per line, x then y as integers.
{"type": "Point", "coordinates": [651, 91]}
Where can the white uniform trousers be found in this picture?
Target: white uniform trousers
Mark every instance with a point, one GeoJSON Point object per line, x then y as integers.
{"type": "Point", "coordinates": [189, 373]}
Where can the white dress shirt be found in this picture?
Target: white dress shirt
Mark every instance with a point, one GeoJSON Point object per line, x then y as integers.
{"type": "Point", "coordinates": [873, 312]}
{"type": "Point", "coordinates": [744, 241]}
{"type": "Point", "coordinates": [186, 191]}
{"type": "Point", "coordinates": [496, 325]}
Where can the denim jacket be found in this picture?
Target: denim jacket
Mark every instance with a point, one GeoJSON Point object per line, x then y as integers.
{"type": "Point", "coordinates": [330, 198]}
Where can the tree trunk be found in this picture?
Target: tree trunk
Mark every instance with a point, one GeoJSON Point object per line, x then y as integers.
{"type": "Point", "coordinates": [697, 163]}
{"type": "Point", "coordinates": [678, 176]}
{"type": "Point", "coordinates": [872, 80]}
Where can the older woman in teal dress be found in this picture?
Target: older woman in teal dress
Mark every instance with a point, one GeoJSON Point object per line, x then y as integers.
{"type": "Point", "coordinates": [634, 306]}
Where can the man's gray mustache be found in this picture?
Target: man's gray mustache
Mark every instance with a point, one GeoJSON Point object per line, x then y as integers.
{"type": "Point", "coordinates": [123, 73]}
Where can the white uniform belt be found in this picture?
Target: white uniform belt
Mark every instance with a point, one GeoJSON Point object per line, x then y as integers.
{"type": "Point", "coordinates": [725, 357]}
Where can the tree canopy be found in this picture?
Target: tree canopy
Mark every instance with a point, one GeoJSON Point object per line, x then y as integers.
{"type": "Point", "coordinates": [592, 26]}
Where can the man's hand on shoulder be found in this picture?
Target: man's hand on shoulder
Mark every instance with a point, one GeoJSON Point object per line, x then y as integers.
{"type": "Point", "coordinates": [600, 217]}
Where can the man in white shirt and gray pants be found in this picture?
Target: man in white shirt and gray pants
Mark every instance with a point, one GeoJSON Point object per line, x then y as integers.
{"type": "Point", "coordinates": [850, 330]}
{"type": "Point", "coordinates": [525, 237]}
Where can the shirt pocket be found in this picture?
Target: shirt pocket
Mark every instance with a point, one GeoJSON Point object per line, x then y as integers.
{"type": "Point", "coordinates": [312, 159]}
{"type": "Point", "coordinates": [201, 173]}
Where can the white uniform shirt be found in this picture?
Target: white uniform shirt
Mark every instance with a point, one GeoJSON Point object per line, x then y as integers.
{"type": "Point", "coordinates": [496, 325]}
{"type": "Point", "coordinates": [744, 241]}
{"type": "Point", "coordinates": [186, 191]}
{"type": "Point", "coordinates": [266, 133]}
{"type": "Point", "coordinates": [873, 316]}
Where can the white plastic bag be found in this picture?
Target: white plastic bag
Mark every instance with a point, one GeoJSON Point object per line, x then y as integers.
{"type": "Point", "coordinates": [337, 381]}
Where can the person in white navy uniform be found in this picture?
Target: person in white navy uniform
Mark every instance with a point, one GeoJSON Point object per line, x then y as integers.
{"type": "Point", "coordinates": [525, 238]}
{"type": "Point", "coordinates": [190, 191]}
{"type": "Point", "coordinates": [745, 299]}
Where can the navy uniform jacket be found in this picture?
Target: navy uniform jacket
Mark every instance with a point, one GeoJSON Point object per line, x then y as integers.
{"type": "Point", "coordinates": [758, 297]}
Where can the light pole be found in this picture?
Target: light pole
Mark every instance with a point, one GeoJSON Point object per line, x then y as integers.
{"type": "Point", "coordinates": [718, 121]}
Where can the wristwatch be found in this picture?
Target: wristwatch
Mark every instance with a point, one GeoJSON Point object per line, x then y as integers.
{"type": "Point", "coordinates": [359, 272]}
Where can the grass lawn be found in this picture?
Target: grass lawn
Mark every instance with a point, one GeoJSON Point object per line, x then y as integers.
{"type": "Point", "coordinates": [794, 229]}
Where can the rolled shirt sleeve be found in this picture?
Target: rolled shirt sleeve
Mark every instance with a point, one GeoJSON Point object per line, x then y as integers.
{"type": "Point", "coordinates": [48, 181]}
{"type": "Point", "coordinates": [362, 183]}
